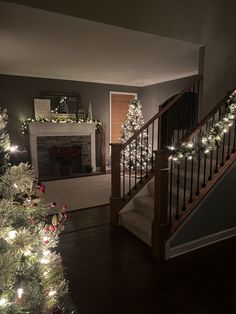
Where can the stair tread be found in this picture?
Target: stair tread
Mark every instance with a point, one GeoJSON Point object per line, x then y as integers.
{"type": "Point", "coordinates": [138, 224]}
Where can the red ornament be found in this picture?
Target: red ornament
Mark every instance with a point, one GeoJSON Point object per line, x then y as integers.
{"type": "Point", "coordinates": [42, 188]}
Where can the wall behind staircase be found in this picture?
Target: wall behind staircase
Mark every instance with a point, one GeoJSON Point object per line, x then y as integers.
{"type": "Point", "coordinates": [215, 214]}
{"type": "Point", "coordinates": [153, 96]}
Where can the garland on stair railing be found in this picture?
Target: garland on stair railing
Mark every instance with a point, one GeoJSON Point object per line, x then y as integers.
{"type": "Point", "coordinates": [211, 139]}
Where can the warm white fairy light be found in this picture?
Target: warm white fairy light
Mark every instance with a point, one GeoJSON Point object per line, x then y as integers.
{"type": "Point", "coordinates": [3, 301]}
{"type": "Point", "coordinates": [20, 292]}
{"type": "Point", "coordinates": [52, 293]}
{"type": "Point", "coordinates": [27, 253]}
{"type": "Point", "coordinates": [44, 261]}
{"type": "Point", "coordinates": [46, 253]}
{"type": "Point", "coordinates": [190, 145]}
{"type": "Point", "coordinates": [11, 234]}
{"type": "Point", "coordinates": [15, 185]}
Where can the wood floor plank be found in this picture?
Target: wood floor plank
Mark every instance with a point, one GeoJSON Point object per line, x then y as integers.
{"type": "Point", "coordinates": [111, 271]}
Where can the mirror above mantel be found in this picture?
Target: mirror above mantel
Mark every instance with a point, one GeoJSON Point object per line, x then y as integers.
{"type": "Point", "coordinates": [63, 105]}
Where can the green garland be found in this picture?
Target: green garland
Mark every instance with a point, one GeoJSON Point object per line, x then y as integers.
{"type": "Point", "coordinates": [209, 141]}
{"type": "Point", "coordinates": [25, 123]}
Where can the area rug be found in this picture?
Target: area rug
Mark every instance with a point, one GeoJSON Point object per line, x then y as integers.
{"type": "Point", "coordinates": [79, 193]}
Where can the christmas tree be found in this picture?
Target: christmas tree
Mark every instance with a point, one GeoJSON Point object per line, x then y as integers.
{"type": "Point", "coordinates": [31, 276]}
{"type": "Point", "coordinates": [137, 155]}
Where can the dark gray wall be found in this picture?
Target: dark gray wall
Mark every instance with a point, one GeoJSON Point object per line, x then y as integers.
{"type": "Point", "coordinates": [154, 95]}
{"type": "Point", "coordinates": [17, 94]}
{"type": "Point", "coordinates": [216, 213]}
{"type": "Point", "coordinates": [211, 23]}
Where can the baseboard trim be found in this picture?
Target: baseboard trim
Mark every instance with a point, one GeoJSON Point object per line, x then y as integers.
{"type": "Point", "coordinates": [171, 252]}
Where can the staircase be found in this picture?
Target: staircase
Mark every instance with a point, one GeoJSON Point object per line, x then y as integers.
{"type": "Point", "coordinates": [152, 202]}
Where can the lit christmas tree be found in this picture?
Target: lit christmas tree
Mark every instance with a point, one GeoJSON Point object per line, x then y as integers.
{"type": "Point", "coordinates": [136, 155]}
{"type": "Point", "coordinates": [31, 276]}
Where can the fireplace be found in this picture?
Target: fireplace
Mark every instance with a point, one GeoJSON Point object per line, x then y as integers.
{"type": "Point", "coordinates": [46, 138]}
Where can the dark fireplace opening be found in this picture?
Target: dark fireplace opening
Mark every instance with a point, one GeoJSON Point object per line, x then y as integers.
{"type": "Point", "coordinates": [65, 160]}
{"type": "Point", "coordinates": [63, 156]}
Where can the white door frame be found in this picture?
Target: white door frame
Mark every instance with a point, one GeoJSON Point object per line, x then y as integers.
{"type": "Point", "coordinates": [110, 94]}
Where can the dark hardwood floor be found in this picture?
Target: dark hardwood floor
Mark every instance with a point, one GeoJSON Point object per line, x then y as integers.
{"type": "Point", "coordinates": [112, 272]}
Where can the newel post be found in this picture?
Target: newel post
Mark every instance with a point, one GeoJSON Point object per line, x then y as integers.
{"type": "Point", "coordinates": [115, 200]}
{"type": "Point", "coordinates": [160, 223]}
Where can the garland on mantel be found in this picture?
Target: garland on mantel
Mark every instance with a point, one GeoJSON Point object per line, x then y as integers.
{"type": "Point", "coordinates": [211, 139]}
{"type": "Point", "coordinates": [25, 123]}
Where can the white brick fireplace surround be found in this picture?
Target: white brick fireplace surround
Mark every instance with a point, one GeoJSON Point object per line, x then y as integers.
{"type": "Point", "coordinates": [37, 129]}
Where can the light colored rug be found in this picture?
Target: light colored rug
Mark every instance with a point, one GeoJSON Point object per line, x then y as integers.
{"type": "Point", "coordinates": [78, 193]}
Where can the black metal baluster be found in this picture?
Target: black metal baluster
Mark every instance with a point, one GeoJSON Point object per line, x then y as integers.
{"type": "Point", "coordinates": [205, 161]}
{"type": "Point", "coordinates": [198, 175]}
{"type": "Point", "coordinates": [217, 149]}
{"type": "Point", "coordinates": [185, 183]}
{"type": "Point", "coordinates": [147, 153]}
{"type": "Point", "coordinates": [211, 157]}
{"type": "Point", "coordinates": [223, 149]}
{"type": "Point", "coordinates": [177, 187]}
{"type": "Point", "coordinates": [141, 157]}
{"type": "Point", "coordinates": [229, 142]}
{"type": "Point", "coordinates": [124, 173]}
{"type": "Point", "coordinates": [204, 172]}
{"type": "Point", "coordinates": [135, 170]}
{"type": "Point", "coordinates": [217, 157]}
{"type": "Point", "coordinates": [191, 183]}
{"type": "Point", "coordinates": [193, 102]}
{"type": "Point", "coordinates": [130, 162]}
{"type": "Point", "coordinates": [152, 160]}
{"type": "Point", "coordinates": [171, 188]}
{"type": "Point", "coordinates": [234, 145]}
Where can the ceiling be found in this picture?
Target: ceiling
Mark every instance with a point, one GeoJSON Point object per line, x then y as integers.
{"type": "Point", "coordinates": [45, 44]}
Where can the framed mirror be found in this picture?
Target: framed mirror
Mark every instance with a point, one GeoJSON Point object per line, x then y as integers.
{"type": "Point", "coordinates": [64, 104]}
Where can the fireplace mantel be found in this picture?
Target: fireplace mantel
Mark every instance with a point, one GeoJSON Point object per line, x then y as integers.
{"type": "Point", "coordinates": [37, 129]}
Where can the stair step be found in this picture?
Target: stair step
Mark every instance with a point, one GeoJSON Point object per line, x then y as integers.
{"type": "Point", "coordinates": [144, 205]}
{"type": "Point", "coordinates": [138, 224]}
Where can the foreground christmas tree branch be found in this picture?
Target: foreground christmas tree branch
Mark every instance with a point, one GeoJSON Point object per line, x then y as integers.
{"type": "Point", "coordinates": [31, 273]}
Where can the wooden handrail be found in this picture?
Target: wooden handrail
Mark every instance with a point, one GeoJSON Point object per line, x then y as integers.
{"type": "Point", "coordinates": [159, 114]}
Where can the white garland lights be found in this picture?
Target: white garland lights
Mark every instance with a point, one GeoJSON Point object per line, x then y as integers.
{"type": "Point", "coordinates": [25, 123]}
{"type": "Point", "coordinates": [209, 141]}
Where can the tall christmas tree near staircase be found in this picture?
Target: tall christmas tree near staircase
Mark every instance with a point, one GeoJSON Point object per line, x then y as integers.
{"type": "Point", "coordinates": [31, 273]}
{"type": "Point", "coordinates": [136, 155]}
